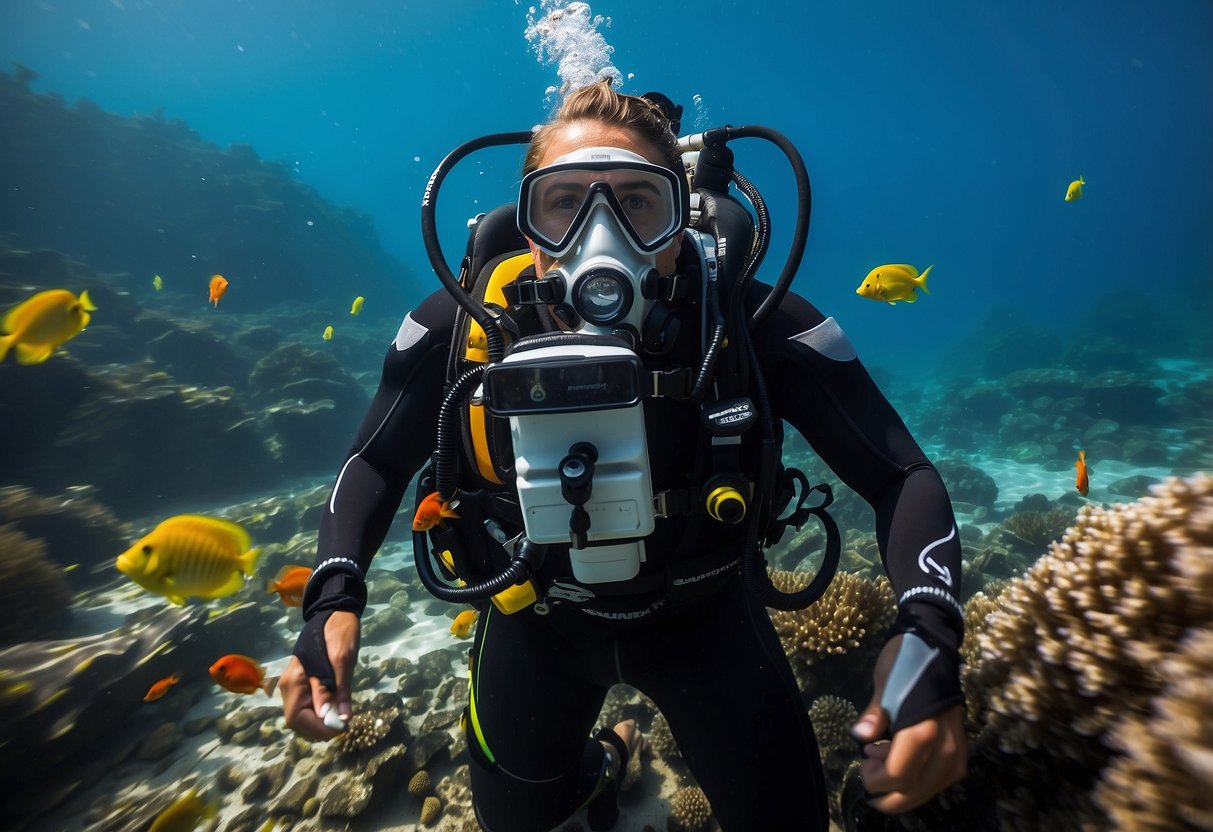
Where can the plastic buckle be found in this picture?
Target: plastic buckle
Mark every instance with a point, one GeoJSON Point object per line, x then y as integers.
{"type": "Point", "coordinates": [661, 504]}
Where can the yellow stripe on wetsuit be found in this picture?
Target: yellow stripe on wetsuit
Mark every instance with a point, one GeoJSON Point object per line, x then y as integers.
{"type": "Point", "coordinates": [484, 746]}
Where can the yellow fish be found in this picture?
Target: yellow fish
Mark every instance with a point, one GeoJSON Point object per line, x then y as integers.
{"type": "Point", "coordinates": [1075, 190]}
{"type": "Point", "coordinates": [157, 283]}
{"type": "Point", "coordinates": [357, 307]}
{"type": "Point", "coordinates": [206, 557]}
{"type": "Point", "coordinates": [328, 333]}
{"type": "Point", "coordinates": [893, 282]}
{"type": "Point", "coordinates": [461, 627]}
{"type": "Point", "coordinates": [184, 813]}
{"type": "Point", "coordinates": [43, 323]}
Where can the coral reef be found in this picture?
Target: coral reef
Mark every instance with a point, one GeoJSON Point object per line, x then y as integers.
{"type": "Point", "coordinates": [1163, 779]}
{"type": "Point", "coordinates": [1032, 531]}
{"type": "Point", "coordinates": [689, 810]}
{"type": "Point", "coordinates": [33, 592]}
{"type": "Point", "coordinates": [367, 729]}
{"type": "Point", "coordinates": [832, 718]}
{"type": "Point", "coordinates": [853, 611]}
{"type": "Point", "coordinates": [76, 528]}
{"type": "Point", "coordinates": [420, 784]}
{"type": "Point", "coordinates": [1075, 647]}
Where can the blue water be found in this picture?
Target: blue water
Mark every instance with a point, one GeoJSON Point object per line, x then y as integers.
{"type": "Point", "coordinates": [942, 133]}
{"type": "Point", "coordinates": [938, 134]}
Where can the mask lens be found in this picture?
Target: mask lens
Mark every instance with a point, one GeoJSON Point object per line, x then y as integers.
{"type": "Point", "coordinates": [644, 198]}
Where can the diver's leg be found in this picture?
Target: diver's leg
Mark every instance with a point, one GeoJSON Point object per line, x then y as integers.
{"type": "Point", "coordinates": [724, 684]}
{"type": "Point", "coordinates": [530, 716]}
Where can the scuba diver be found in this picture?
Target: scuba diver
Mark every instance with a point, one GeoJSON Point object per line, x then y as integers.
{"type": "Point", "coordinates": [597, 400]}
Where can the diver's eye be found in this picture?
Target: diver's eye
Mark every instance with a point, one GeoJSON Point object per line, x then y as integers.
{"type": "Point", "coordinates": [564, 203]}
{"type": "Point", "coordinates": [147, 550]}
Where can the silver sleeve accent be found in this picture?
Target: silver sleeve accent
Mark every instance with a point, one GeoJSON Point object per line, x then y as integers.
{"type": "Point", "coordinates": [913, 658]}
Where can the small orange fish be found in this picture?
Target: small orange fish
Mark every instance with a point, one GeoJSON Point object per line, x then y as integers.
{"type": "Point", "coordinates": [432, 511]}
{"type": "Point", "coordinates": [160, 688]}
{"type": "Point", "coordinates": [289, 584]}
{"type": "Point", "coordinates": [1081, 482]}
{"type": "Point", "coordinates": [218, 287]}
{"type": "Point", "coordinates": [240, 674]}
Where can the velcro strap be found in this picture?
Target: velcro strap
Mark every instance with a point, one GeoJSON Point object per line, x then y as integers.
{"type": "Point", "coordinates": [675, 502]}
{"type": "Point", "coordinates": [530, 292]}
{"type": "Point", "coordinates": [665, 287]}
{"type": "Point", "coordinates": [672, 384]}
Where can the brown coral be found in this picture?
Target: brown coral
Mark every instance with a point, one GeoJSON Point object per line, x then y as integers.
{"type": "Point", "coordinates": [852, 611]}
{"type": "Point", "coordinates": [1077, 644]}
{"type": "Point", "coordinates": [1164, 781]}
{"type": "Point", "coordinates": [689, 810]}
{"type": "Point", "coordinates": [660, 739]}
{"type": "Point", "coordinates": [430, 810]}
{"type": "Point", "coordinates": [420, 784]}
{"type": "Point", "coordinates": [1034, 530]}
{"type": "Point", "coordinates": [832, 718]}
{"type": "Point", "coordinates": [33, 593]}
{"type": "Point", "coordinates": [367, 729]}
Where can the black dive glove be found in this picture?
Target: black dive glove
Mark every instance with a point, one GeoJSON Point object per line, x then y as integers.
{"type": "Point", "coordinates": [925, 677]}
{"type": "Point", "coordinates": [312, 652]}
{"type": "Point", "coordinates": [342, 588]}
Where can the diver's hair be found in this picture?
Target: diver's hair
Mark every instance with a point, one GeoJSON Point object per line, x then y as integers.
{"type": "Point", "coordinates": [598, 102]}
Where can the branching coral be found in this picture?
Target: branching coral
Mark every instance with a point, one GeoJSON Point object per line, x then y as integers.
{"type": "Point", "coordinates": [1164, 781]}
{"type": "Point", "coordinates": [367, 729]}
{"type": "Point", "coordinates": [852, 611]}
{"type": "Point", "coordinates": [689, 810]}
{"type": "Point", "coordinates": [1077, 644]}
{"type": "Point", "coordinates": [832, 718]}
{"type": "Point", "coordinates": [1034, 530]}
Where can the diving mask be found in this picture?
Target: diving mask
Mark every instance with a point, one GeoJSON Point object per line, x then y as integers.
{"type": "Point", "coordinates": [603, 214]}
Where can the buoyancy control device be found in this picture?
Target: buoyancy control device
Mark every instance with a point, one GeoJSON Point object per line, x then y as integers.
{"type": "Point", "coordinates": [541, 437]}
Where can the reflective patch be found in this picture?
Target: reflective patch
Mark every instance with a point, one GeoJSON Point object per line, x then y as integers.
{"type": "Point", "coordinates": [913, 657]}
{"type": "Point", "coordinates": [410, 333]}
{"type": "Point", "coordinates": [828, 339]}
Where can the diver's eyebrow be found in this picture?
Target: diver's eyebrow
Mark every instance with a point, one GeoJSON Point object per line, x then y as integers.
{"type": "Point", "coordinates": [637, 185]}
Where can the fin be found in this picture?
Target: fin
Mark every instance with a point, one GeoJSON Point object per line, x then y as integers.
{"type": "Point", "coordinates": [233, 585]}
{"type": "Point", "coordinates": [921, 282]}
{"type": "Point", "coordinates": [248, 561]}
{"type": "Point", "coordinates": [153, 563]}
{"type": "Point", "coordinates": [87, 303]}
{"type": "Point", "coordinates": [271, 586]}
{"type": "Point", "coordinates": [269, 685]}
{"type": "Point", "coordinates": [5, 343]}
{"type": "Point", "coordinates": [911, 297]}
{"type": "Point", "coordinates": [31, 354]}
{"type": "Point", "coordinates": [448, 512]}
{"type": "Point", "coordinates": [179, 600]}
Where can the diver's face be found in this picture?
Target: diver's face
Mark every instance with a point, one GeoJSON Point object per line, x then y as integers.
{"type": "Point", "coordinates": [587, 133]}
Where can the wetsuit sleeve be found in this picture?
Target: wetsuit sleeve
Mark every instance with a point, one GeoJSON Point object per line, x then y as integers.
{"type": "Point", "coordinates": [394, 440]}
{"type": "Point", "coordinates": [818, 385]}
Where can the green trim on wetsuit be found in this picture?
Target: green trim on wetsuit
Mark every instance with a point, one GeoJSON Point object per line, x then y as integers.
{"type": "Point", "coordinates": [475, 720]}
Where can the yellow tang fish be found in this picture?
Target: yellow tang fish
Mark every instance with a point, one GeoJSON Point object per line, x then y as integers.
{"type": "Point", "coordinates": [357, 307]}
{"type": "Point", "coordinates": [461, 627]}
{"type": "Point", "coordinates": [893, 282]}
{"type": "Point", "coordinates": [157, 283]}
{"type": "Point", "coordinates": [328, 333]}
{"type": "Point", "coordinates": [184, 813]}
{"type": "Point", "coordinates": [43, 323]}
{"type": "Point", "coordinates": [1075, 190]}
{"type": "Point", "coordinates": [206, 557]}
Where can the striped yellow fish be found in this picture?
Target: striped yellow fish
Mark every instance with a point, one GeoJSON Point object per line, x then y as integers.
{"type": "Point", "coordinates": [184, 814]}
{"type": "Point", "coordinates": [190, 554]}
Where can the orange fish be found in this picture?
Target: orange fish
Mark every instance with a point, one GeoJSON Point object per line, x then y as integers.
{"type": "Point", "coordinates": [289, 584]}
{"type": "Point", "coordinates": [432, 511]}
{"type": "Point", "coordinates": [1081, 482]}
{"type": "Point", "coordinates": [218, 287]}
{"type": "Point", "coordinates": [160, 688]}
{"type": "Point", "coordinates": [240, 674]}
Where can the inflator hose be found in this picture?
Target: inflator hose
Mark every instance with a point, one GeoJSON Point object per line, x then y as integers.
{"type": "Point", "coordinates": [520, 569]}
{"type": "Point", "coordinates": [433, 248]}
{"type": "Point", "coordinates": [446, 445]}
{"type": "Point", "coordinates": [804, 202]}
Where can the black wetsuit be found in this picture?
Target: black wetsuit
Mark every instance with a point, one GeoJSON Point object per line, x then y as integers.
{"type": "Point", "coordinates": [685, 632]}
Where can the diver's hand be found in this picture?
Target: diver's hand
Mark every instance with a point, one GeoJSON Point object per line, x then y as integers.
{"type": "Point", "coordinates": [317, 682]}
{"type": "Point", "coordinates": [920, 761]}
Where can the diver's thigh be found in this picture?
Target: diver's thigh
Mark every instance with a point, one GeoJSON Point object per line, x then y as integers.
{"type": "Point", "coordinates": [736, 713]}
{"type": "Point", "coordinates": [530, 716]}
